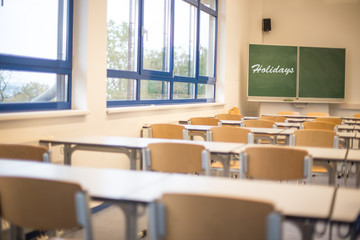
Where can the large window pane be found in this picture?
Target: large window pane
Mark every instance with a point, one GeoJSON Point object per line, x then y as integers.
{"type": "Point", "coordinates": [26, 87]}
{"type": "Point", "coordinates": [183, 90]}
{"type": "Point", "coordinates": [121, 89]}
{"type": "Point", "coordinates": [156, 35]}
{"type": "Point", "coordinates": [185, 39]}
{"type": "Point", "coordinates": [122, 36]}
{"type": "Point", "coordinates": [206, 91]}
{"type": "Point", "coordinates": [34, 28]}
{"type": "Point", "coordinates": [209, 3]}
{"type": "Point", "coordinates": [207, 45]}
{"type": "Point", "coordinates": [151, 90]}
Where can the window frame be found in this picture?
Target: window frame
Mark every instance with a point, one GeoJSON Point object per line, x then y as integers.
{"type": "Point", "coordinates": [145, 74]}
{"type": "Point", "coordinates": [42, 65]}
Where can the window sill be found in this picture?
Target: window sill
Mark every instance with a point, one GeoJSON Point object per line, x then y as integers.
{"type": "Point", "coordinates": [161, 107]}
{"type": "Point", "coordinates": [42, 114]}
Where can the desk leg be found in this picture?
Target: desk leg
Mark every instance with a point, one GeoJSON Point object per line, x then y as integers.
{"type": "Point", "coordinates": [306, 227]}
{"type": "Point", "coordinates": [130, 211]}
{"type": "Point", "coordinates": [133, 159]}
{"type": "Point", "coordinates": [67, 154]}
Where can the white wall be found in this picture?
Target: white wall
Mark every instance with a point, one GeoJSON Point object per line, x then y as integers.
{"type": "Point", "coordinates": [319, 23]}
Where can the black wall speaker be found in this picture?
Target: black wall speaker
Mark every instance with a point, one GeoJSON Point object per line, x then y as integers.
{"type": "Point", "coordinates": [266, 24]}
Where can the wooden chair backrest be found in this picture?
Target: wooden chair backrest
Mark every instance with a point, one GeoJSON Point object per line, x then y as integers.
{"type": "Point", "coordinates": [317, 114]}
{"type": "Point", "coordinates": [176, 157]}
{"type": "Point", "coordinates": [228, 116]}
{"type": "Point", "coordinates": [194, 217]}
{"type": "Point", "coordinates": [230, 134]}
{"type": "Point", "coordinates": [275, 163]}
{"type": "Point", "coordinates": [259, 123]}
{"type": "Point", "coordinates": [23, 152]}
{"type": "Point", "coordinates": [168, 131]}
{"type": "Point", "coordinates": [288, 113]}
{"type": "Point", "coordinates": [273, 118]}
{"type": "Point", "coordinates": [234, 110]}
{"type": "Point", "coordinates": [336, 121]}
{"type": "Point", "coordinates": [357, 115]}
{"type": "Point", "coordinates": [204, 121]}
{"type": "Point", "coordinates": [319, 125]}
{"type": "Point", "coordinates": [314, 138]}
{"type": "Point", "coordinates": [38, 204]}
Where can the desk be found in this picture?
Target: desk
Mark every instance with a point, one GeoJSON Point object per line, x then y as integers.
{"type": "Point", "coordinates": [132, 147]}
{"type": "Point", "coordinates": [298, 201]}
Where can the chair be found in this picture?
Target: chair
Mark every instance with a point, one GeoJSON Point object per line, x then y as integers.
{"type": "Point", "coordinates": [260, 124]}
{"type": "Point", "coordinates": [275, 163]}
{"type": "Point", "coordinates": [288, 113]}
{"type": "Point", "coordinates": [274, 118]}
{"type": "Point", "coordinates": [317, 114]}
{"type": "Point", "coordinates": [168, 131]}
{"type": "Point", "coordinates": [208, 121]}
{"type": "Point", "coordinates": [44, 205]}
{"type": "Point", "coordinates": [230, 134]}
{"type": "Point", "coordinates": [195, 216]}
{"type": "Point", "coordinates": [357, 115]}
{"type": "Point", "coordinates": [176, 158]}
{"type": "Point", "coordinates": [234, 110]}
{"type": "Point", "coordinates": [317, 138]}
{"type": "Point", "coordinates": [319, 125]}
{"type": "Point", "coordinates": [229, 116]}
{"type": "Point", "coordinates": [336, 121]}
{"type": "Point", "coordinates": [24, 152]}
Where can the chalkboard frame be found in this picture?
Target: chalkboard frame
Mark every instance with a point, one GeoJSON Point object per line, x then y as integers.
{"type": "Point", "coordinates": [299, 96]}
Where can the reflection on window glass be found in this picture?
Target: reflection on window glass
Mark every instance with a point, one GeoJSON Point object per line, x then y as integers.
{"type": "Point", "coordinates": [154, 90]}
{"type": "Point", "coordinates": [183, 90]}
{"type": "Point", "coordinates": [122, 32]}
{"type": "Point", "coordinates": [156, 35]}
{"type": "Point", "coordinates": [28, 34]}
{"type": "Point", "coordinates": [121, 89]}
{"type": "Point", "coordinates": [185, 39]}
{"type": "Point", "coordinates": [26, 87]}
{"type": "Point", "coordinates": [209, 3]}
{"type": "Point", "coordinates": [206, 91]}
{"type": "Point", "coordinates": [207, 45]}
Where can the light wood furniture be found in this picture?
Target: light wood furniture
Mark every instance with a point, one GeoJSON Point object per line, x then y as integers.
{"type": "Point", "coordinates": [205, 121]}
{"type": "Point", "coordinates": [319, 125]}
{"type": "Point", "coordinates": [275, 163]}
{"type": "Point", "coordinates": [44, 205]}
{"type": "Point", "coordinates": [176, 158]}
{"type": "Point", "coordinates": [317, 138]}
{"type": "Point", "coordinates": [229, 116]}
{"type": "Point", "coordinates": [259, 123]}
{"type": "Point", "coordinates": [168, 131]}
{"type": "Point", "coordinates": [178, 216]}
{"type": "Point", "coordinates": [274, 118]}
{"type": "Point", "coordinates": [234, 110]}
{"type": "Point", "coordinates": [336, 121]}
{"type": "Point", "coordinates": [357, 115]}
{"type": "Point", "coordinates": [317, 114]}
{"type": "Point", "coordinates": [25, 152]}
{"type": "Point", "coordinates": [209, 121]}
{"type": "Point", "coordinates": [230, 134]}
{"type": "Point", "coordinates": [288, 113]}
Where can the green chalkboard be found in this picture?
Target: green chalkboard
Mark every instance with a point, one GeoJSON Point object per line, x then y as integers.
{"type": "Point", "coordinates": [321, 72]}
{"type": "Point", "coordinates": [272, 71]}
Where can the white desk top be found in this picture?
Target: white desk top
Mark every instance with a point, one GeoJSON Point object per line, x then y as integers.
{"type": "Point", "coordinates": [347, 205]}
{"type": "Point", "coordinates": [140, 186]}
{"type": "Point", "coordinates": [140, 143]}
{"type": "Point", "coordinates": [290, 199]}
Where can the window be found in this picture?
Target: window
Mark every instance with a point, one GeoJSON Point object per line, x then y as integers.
{"type": "Point", "coordinates": [161, 51]}
{"type": "Point", "coordinates": [35, 55]}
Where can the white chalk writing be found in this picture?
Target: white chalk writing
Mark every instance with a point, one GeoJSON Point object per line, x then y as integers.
{"type": "Point", "coordinates": [257, 68]}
